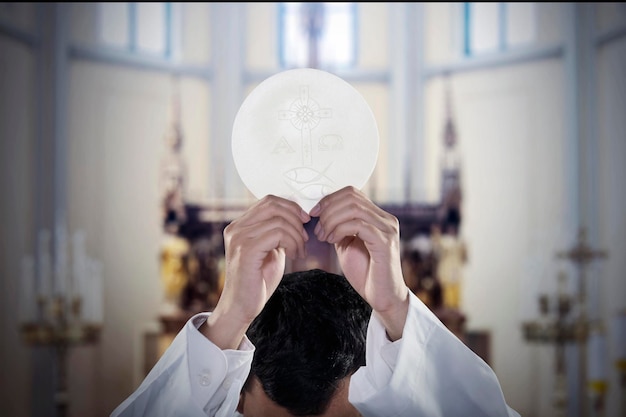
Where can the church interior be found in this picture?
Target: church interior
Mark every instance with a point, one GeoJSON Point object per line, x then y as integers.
{"type": "Point", "coordinates": [502, 146]}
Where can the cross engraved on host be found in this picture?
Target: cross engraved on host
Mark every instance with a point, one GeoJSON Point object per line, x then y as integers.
{"type": "Point", "coordinates": [305, 114]}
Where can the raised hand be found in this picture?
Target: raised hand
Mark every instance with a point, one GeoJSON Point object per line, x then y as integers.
{"type": "Point", "coordinates": [367, 241]}
{"type": "Point", "coordinates": [257, 244]}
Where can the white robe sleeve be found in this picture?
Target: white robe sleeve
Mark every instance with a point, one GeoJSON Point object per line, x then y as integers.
{"type": "Point", "coordinates": [193, 378]}
{"type": "Point", "coordinates": [429, 372]}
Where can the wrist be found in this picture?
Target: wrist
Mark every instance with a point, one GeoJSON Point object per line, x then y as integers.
{"type": "Point", "coordinates": [224, 330]}
{"type": "Point", "coordinates": [394, 317]}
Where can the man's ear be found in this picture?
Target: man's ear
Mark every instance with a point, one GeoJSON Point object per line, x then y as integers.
{"type": "Point", "coordinates": [242, 399]}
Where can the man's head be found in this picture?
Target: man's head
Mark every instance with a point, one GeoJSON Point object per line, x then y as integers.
{"type": "Point", "coordinates": [309, 339]}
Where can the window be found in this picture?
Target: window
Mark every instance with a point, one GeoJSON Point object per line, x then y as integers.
{"type": "Point", "coordinates": [520, 24]}
{"type": "Point", "coordinates": [498, 27]}
{"type": "Point", "coordinates": [151, 26]}
{"type": "Point", "coordinates": [113, 24]}
{"type": "Point", "coordinates": [144, 28]}
{"type": "Point", "coordinates": [317, 35]}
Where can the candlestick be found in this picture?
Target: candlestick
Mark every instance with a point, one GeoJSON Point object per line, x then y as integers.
{"type": "Point", "coordinates": [596, 368]}
{"type": "Point", "coordinates": [570, 322]}
{"type": "Point", "coordinates": [59, 323]}
{"type": "Point", "coordinates": [97, 291]}
{"type": "Point", "coordinates": [597, 352]}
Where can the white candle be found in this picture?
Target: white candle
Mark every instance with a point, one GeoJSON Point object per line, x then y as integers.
{"type": "Point", "coordinates": [27, 302]}
{"type": "Point", "coordinates": [60, 260]}
{"type": "Point", "coordinates": [44, 263]}
{"type": "Point", "coordinates": [596, 365]}
{"type": "Point", "coordinates": [78, 264]}
{"type": "Point", "coordinates": [619, 335]}
{"type": "Point", "coordinates": [86, 292]}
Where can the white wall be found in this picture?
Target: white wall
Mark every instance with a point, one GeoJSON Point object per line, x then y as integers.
{"type": "Point", "coordinates": [118, 121]}
{"type": "Point", "coordinates": [510, 128]}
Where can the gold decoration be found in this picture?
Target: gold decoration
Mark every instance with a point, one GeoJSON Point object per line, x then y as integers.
{"type": "Point", "coordinates": [452, 255]}
{"type": "Point", "coordinates": [174, 274]}
{"type": "Point", "coordinates": [557, 327]}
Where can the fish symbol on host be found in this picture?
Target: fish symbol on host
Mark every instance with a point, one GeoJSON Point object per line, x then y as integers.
{"type": "Point", "coordinates": [309, 183]}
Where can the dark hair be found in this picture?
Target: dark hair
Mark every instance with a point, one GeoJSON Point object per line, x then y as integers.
{"type": "Point", "coordinates": [309, 336]}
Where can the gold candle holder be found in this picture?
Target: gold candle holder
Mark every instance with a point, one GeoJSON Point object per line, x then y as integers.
{"type": "Point", "coordinates": [554, 327]}
{"type": "Point", "coordinates": [597, 394]}
{"type": "Point", "coordinates": [60, 331]}
{"type": "Point", "coordinates": [557, 328]}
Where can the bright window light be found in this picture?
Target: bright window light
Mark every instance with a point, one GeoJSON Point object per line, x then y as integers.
{"type": "Point", "coordinates": [499, 27]}
{"type": "Point", "coordinates": [336, 43]}
{"type": "Point", "coordinates": [484, 21]}
{"type": "Point", "coordinates": [113, 24]}
{"type": "Point", "coordinates": [520, 24]}
{"type": "Point", "coordinates": [151, 27]}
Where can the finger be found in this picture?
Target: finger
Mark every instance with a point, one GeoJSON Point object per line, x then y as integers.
{"type": "Point", "coordinates": [272, 239]}
{"type": "Point", "coordinates": [329, 199]}
{"type": "Point", "coordinates": [357, 228]}
{"type": "Point", "coordinates": [273, 205]}
{"type": "Point", "coordinates": [254, 250]}
{"type": "Point", "coordinates": [270, 207]}
{"type": "Point", "coordinates": [278, 225]}
{"type": "Point", "coordinates": [348, 193]}
{"type": "Point", "coordinates": [344, 210]}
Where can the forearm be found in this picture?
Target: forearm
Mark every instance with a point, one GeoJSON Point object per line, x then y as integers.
{"type": "Point", "coordinates": [394, 317]}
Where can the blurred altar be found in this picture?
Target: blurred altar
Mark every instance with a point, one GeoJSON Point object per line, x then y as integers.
{"type": "Point", "coordinates": [192, 251]}
{"type": "Point", "coordinates": [501, 139]}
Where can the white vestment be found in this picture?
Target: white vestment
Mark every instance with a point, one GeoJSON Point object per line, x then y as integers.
{"type": "Point", "coordinates": [429, 372]}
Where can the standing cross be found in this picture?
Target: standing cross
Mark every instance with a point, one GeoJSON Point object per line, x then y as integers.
{"type": "Point", "coordinates": [581, 254]}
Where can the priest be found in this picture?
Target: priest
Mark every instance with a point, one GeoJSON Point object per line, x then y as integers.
{"type": "Point", "coordinates": [314, 343]}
